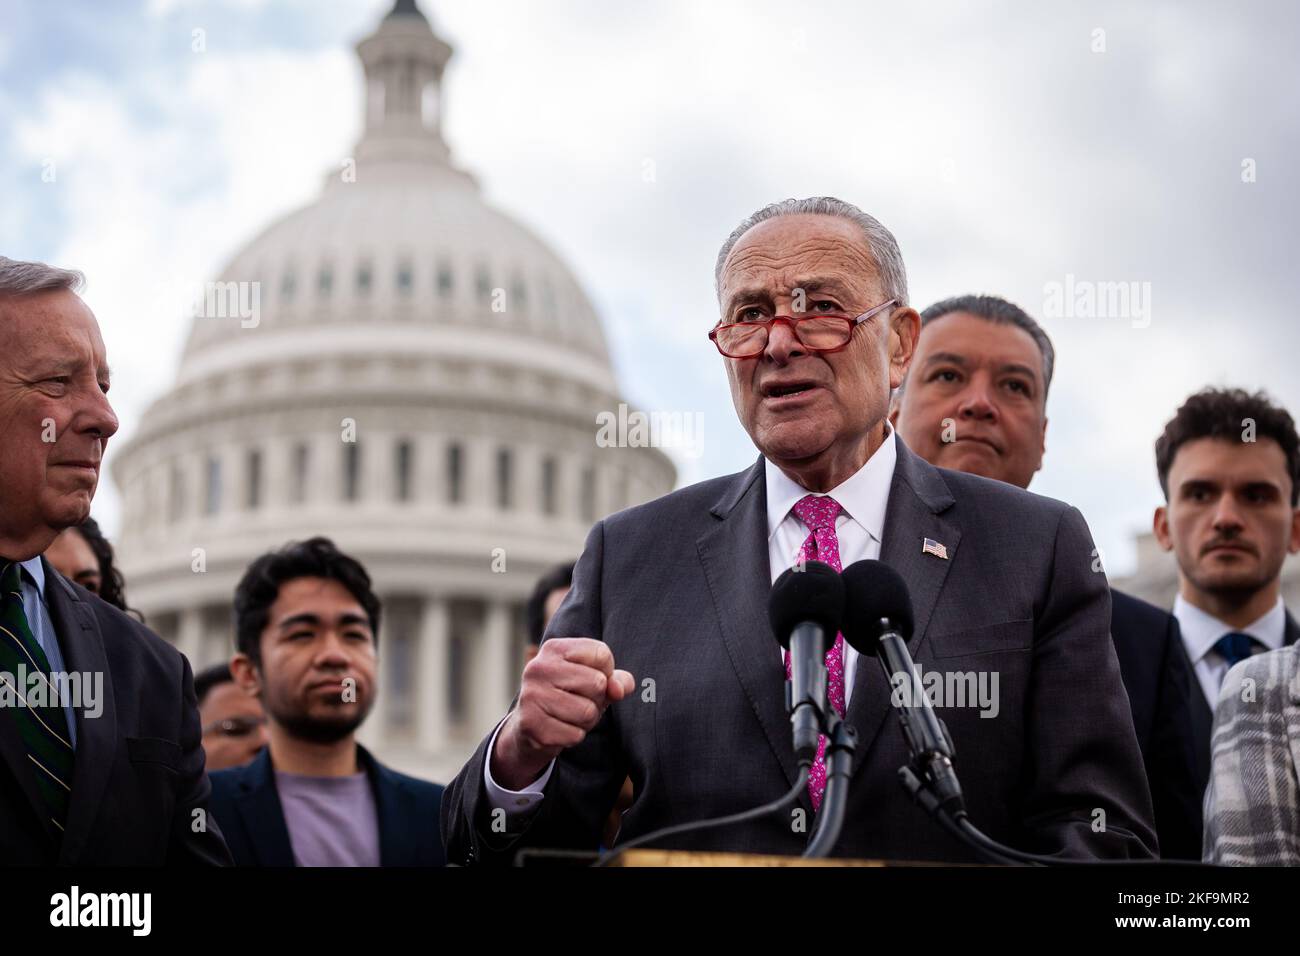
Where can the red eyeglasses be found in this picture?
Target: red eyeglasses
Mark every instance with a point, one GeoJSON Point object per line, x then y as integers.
{"type": "Point", "coordinates": [817, 332]}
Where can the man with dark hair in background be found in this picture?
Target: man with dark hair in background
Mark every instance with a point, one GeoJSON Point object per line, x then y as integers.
{"type": "Point", "coordinates": [975, 400]}
{"type": "Point", "coordinates": [547, 594]}
{"type": "Point", "coordinates": [306, 632]}
{"type": "Point", "coordinates": [234, 725]}
{"type": "Point", "coordinates": [1229, 465]}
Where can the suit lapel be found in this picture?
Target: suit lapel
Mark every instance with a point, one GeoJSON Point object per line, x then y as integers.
{"type": "Point", "coordinates": [79, 637]}
{"type": "Point", "coordinates": [1291, 632]}
{"type": "Point", "coordinates": [918, 496]}
{"type": "Point", "coordinates": [734, 555]}
{"type": "Point", "coordinates": [261, 815]}
{"type": "Point", "coordinates": [390, 806]}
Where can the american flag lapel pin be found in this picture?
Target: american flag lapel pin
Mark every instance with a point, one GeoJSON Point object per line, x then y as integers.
{"type": "Point", "coordinates": [935, 548]}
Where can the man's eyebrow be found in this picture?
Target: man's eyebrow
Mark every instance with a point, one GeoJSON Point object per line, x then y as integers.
{"type": "Point", "coordinates": [1265, 484]}
{"type": "Point", "coordinates": [305, 618]}
{"type": "Point", "coordinates": [1022, 369]}
{"type": "Point", "coordinates": [751, 294]}
{"type": "Point", "coordinates": [821, 284]}
{"type": "Point", "coordinates": [808, 285]}
{"type": "Point", "coordinates": [952, 358]}
{"type": "Point", "coordinates": [314, 620]}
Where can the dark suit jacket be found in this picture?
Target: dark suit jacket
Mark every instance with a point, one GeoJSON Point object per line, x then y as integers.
{"type": "Point", "coordinates": [138, 773]}
{"type": "Point", "coordinates": [1203, 715]}
{"type": "Point", "coordinates": [678, 589]}
{"type": "Point", "coordinates": [246, 802]}
{"type": "Point", "coordinates": [1160, 686]}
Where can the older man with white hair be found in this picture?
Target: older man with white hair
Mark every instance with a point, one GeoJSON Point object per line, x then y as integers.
{"type": "Point", "coordinates": [100, 756]}
{"type": "Point", "coordinates": [661, 664]}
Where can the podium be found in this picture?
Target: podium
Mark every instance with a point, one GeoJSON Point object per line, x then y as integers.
{"type": "Point", "coordinates": [649, 858]}
{"type": "Point", "coordinates": [658, 858]}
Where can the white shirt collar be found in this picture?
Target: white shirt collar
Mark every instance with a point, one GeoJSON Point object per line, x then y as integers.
{"type": "Point", "coordinates": [33, 567]}
{"type": "Point", "coordinates": [863, 496]}
{"type": "Point", "coordinates": [1200, 630]}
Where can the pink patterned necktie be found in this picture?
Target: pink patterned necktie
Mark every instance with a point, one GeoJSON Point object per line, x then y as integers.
{"type": "Point", "coordinates": [819, 512]}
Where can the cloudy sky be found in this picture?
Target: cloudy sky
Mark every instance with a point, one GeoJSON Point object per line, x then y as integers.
{"type": "Point", "coordinates": [1008, 145]}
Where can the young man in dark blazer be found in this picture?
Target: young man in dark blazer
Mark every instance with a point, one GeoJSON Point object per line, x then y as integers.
{"type": "Point", "coordinates": [307, 625]}
{"type": "Point", "coordinates": [112, 773]}
{"type": "Point", "coordinates": [1229, 465]}
{"type": "Point", "coordinates": [975, 400]}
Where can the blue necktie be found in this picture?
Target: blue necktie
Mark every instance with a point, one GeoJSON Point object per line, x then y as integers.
{"type": "Point", "coordinates": [1236, 646]}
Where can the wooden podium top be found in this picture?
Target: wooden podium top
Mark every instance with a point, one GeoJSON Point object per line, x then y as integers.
{"type": "Point", "coordinates": [640, 858]}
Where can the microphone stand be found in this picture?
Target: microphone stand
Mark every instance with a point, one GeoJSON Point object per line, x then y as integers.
{"type": "Point", "coordinates": [841, 742]}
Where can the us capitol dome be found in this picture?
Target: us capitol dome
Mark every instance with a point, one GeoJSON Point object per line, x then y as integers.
{"type": "Point", "coordinates": [420, 381]}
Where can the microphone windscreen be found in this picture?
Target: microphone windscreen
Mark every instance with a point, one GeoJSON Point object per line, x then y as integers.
{"type": "Point", "coordinates": [872, 591]}
{"type": "Point", "coordinates": [814, 594]}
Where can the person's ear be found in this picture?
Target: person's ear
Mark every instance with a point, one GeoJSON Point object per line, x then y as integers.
{"type": "Point", "coordinates": [246, 674]}
{"type": "Point", "coordinates": [904, 330]}
{"type": "Point", "coordinates": [1160, 525]}
{"type": "Point", "coordinates": [1295, 531]}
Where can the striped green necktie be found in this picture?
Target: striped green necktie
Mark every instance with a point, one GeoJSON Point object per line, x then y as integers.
{"type": "Point", "coordinates": [43, 726]}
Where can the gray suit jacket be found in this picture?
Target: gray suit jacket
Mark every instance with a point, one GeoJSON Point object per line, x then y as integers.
{"type": "Point", "coordinates": [1252, 807]}
{"type": "Point", "coordinates": [678, 589]}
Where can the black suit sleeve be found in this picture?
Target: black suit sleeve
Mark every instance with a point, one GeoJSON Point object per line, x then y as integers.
{"type": "Point", "coordinates": [586, 779]}
{"type": "Point", "coordinates": [195, 837]}
{"type": "Point", "coordinates": [1086, 790]}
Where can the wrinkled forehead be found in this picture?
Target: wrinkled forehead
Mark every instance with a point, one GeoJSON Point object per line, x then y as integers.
{"type": "Point", "coordinates": [47, 326]}
{"type": "Point", "coordinates": [810, 252]}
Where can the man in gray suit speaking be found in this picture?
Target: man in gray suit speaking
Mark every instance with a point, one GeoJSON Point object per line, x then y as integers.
{"type": "Point", "coordinates": [661, 665]}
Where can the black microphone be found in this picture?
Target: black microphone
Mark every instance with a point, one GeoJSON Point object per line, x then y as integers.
{"type": "Point", "coordinates": [878, 620]}
{"type": "Point", "coordinates": [805, 609]}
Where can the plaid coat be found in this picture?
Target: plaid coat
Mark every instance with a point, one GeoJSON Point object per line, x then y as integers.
{"type": "Point", "coordinates": [1252, 805]}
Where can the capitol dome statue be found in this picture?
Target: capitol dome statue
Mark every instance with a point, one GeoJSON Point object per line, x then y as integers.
{"type": "Point", "coordinates": [410, 372]}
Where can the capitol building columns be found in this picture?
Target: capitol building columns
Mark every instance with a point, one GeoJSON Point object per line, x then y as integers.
{"type": "Point", "coordinates": [492, 695]}
{"type": "Point", "coordinates": [435, 648]}
{"type": "Point", "coordinates": [475, 467]}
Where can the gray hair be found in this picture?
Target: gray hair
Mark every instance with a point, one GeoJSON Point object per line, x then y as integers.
{"type": "Point", "coordinates": [880, 241]}
{"type": "Point", "coordinates": [999, 312]}
{"type": "Point", "coordinates": [23, 278]}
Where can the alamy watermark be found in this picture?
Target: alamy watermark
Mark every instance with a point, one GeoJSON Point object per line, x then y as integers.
{"type": "Point", "coordinates": [626, 429]}
{"type": "Point", "coordinates": [976, 689]}
{"type": "Point", "coordinates": [212, 300]}
{"type": "Point", "coordinates": [81, 690]}
{"type": "Point", "coordinates": [1085, 299]}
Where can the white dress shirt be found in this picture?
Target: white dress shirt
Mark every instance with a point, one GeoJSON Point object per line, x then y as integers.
{"type": "Point", "coordinates": [1200, 630]}
{"type": "Point", "coordinates": [863, 498]}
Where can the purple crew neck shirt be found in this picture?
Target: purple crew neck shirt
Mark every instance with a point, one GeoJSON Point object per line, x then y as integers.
{"type": "Point", "coordinates": [332, 821]}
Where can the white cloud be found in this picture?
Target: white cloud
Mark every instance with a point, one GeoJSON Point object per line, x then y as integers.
{"type": "Point", "coordinates": [159, 205]}
{"type": "Point", "coordinates": [1001, 150]}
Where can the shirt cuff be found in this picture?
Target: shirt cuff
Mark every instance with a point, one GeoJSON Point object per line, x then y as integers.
{"type": "Point", "coordinates": [515, 803]}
